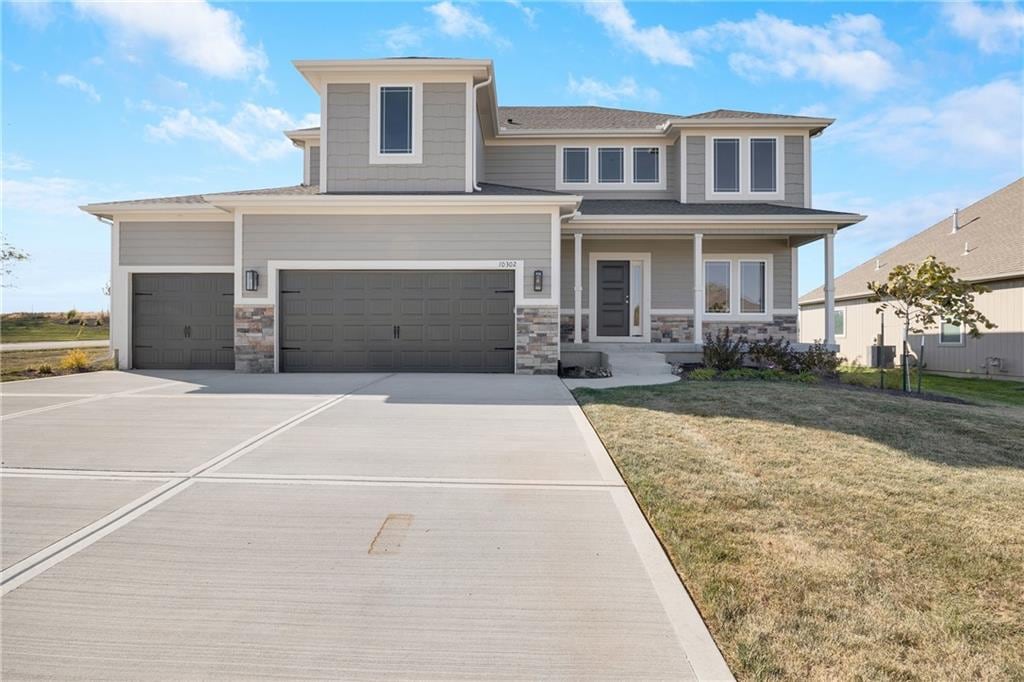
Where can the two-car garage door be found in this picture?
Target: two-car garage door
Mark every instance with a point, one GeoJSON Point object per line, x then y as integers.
{"type": "Point", "coordinates": [397, 320]}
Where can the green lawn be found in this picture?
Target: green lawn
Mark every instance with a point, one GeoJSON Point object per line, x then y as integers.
{"type": "Point", "coordinates": [974, 389]}
{"type": "Point", "coordinates": [31, 364]}
{"type": "Point", "coordinates": [23, 327]}
{"type": "Point", "coordinates": [828, 533]}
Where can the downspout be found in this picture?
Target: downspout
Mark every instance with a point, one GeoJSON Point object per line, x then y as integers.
{"type": "Point", "coordinates": [490, 79]}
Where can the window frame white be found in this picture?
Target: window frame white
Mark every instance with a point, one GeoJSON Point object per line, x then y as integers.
{"type": "Point", "coordinates": [735, 274]}
{"type": "Point", "coordinates": [561, 165]}
{"type": "Point", "coordinates": [416, 155]}
{"type": "Point", "coordinates": [745, 180]}
{"type": "Point", "coordinates": [959, 342]}
{"type": "Point", "coordinates": [627, 183]}
{"type": "Point", "coordinates": [657, 167]}
{"type": "Point", "coordinates": [841, 312]}
{"type": "Point", "coordinates": [764, 285]}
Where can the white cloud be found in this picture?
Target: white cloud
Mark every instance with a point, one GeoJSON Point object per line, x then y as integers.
{"type": "Point", "coordinates": [594, 91]}
{"type": "Point", "coordinates": [54, 196]}
{"type": "Point", "coordinates": [656, 43]}
{"type": "Point", "coordinates": [850, 51]}
{"type": "Point", "coordinates": [456, 21]}
{"type": "Point", "coordinates": [68, 81]}
{"type": "Point", "coordinates": [980, 126]}
{"type": "Point", "coordinates": [195, 33]}
{"type": "Point", "coordinates": [37, 14]}
{"type": "Point", "coordinates": [995, 28]}
{"type": "Point", "coordinates": [15, 162]}
{"type": "Point", "coordinates": [402, 37]}
{"type": "Point", "coordinates": [253, 133]}
{"type": "Point", "coordinates": [529, 13]}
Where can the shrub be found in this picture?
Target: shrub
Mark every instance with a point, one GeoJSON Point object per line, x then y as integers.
{"type": "Point", "coordinates": [819, 360]}
{"type": "Point", "coordinates": [702, 374]}
{"type": "Point", "coordinates": [45, 369]}
{"type": "Point", "coordinates": [71, 315]}
{"type": "Point", "coordinates": [723, 351]}
{"type": "Point", "coordinates": [75, 360]}
{"type": "Point", "coordinates": [772, 353]}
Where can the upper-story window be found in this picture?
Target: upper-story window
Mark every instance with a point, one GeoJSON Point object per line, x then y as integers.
{"type": "Point", "coordinates": [610, 164]}
{"type": "Point", "coordinates": [396, 123]}
{"type": "Point", "coordinates": [763, 164]}
{"type": "Point", "coordinates": [645, 164]}
{"type": "Point", "coordinates": [727, 165]}
{"type": "Point", "coordinates": [575, 165]}
{"type": "Point", "coordinates": [396, 119]}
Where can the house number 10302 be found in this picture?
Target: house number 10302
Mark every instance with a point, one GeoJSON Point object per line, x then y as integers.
{"type": "Point", "coordinates": [508, 263]}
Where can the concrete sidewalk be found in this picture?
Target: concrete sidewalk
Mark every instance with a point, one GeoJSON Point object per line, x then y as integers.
{"type": "Point", "coordinates": [372, 526]}
{"type": "Point", "coordinates": [53, 345]}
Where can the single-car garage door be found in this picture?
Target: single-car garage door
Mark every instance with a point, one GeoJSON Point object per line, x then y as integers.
{"type": "Point", "coordinates": [397, 320]}
{"type": "Point", "coordinates": [182, 321]}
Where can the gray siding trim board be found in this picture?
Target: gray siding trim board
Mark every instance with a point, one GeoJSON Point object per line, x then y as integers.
{"type": "Point", "coordinates": [793, 169]}
{"type": "Point", "coordinates": [695, 171]}
{"type": "Point", "coordinates": [314, 165]}
{"type": "Point", "coordinates": [348, 142]}
{"type": "Point", "coordinates": [176, 243]}
{"type": "Point", "coordinates": [525, 237]}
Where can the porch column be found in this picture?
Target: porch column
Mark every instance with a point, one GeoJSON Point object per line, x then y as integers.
{"type": "Point", "coordinates": [577, 333]}
{"type": "Point", "coordinates": [830, 289]}
{"type": "Point", "coordinates": [698, 289]}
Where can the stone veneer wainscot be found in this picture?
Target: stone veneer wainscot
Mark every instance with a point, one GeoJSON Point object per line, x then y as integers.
{"type": "Point", "coordinates": [537, 330]}
{"type": "Point", "coordinates": [254, 339]}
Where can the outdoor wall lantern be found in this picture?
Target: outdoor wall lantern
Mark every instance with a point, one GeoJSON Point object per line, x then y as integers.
{"type": "Point", "coordinates": [252, 280]}
{"type": "Point", "coordinates": [538, 280]}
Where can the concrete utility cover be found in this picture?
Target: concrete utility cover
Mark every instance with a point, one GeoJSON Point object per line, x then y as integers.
{"type": "Point", "coordinates": [340, 526]}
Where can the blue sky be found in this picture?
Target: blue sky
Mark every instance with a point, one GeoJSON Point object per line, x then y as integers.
{"type": "Point", "coordinates": [118, 100]}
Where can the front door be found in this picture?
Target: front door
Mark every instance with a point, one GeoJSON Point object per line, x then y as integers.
{"type": "Point", "coordinates": [613, 298]}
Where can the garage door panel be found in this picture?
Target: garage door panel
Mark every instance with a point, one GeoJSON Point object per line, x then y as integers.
{"type": "Point", "coordinates": [447, 321]}
{"type": "Point", "coordinates": [182, 321]}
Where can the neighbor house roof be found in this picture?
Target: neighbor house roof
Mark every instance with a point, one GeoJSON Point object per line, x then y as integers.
{"type": "Point", "coordinates": [989, 245]}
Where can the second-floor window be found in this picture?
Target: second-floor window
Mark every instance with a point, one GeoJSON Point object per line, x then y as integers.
{"type": "Point", "coordinates": [396, 119]}
{"type": "Point", "coordinates": [576, 164]}
{"type": "Point", "coordinates": [762, 164]}
{"type": "Point", "coordinates": [610, 164]}
{"type": "Point", "coordinates": [645, 164]}
{"type": "Point", "coordinates": [727, 165]}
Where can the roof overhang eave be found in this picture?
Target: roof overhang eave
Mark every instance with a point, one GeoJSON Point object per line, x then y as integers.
{"type": "Point", "coordinates": [836, 221]}
{"type": "Point", "coordinates": [114, 209]}
{"type": "Point", "coordinates": [815, 125]}
{"type": "Point", "coordinates": [545, 133]}
{"type": "Point", "coordinates": [384, 201]}
{"type": "Point", "coordinates": [314, 70]}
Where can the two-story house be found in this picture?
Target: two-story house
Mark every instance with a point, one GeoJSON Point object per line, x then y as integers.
{"type": "Point", "coordinates": [434, 230]}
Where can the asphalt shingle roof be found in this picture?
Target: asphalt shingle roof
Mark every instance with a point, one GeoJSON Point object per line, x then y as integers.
{"type": "Point", "coordinates": [673, 207]}
{"type": "Point", "coordinates": [988, 245]}
{"type": "Point", "coordinates": [606, 118]}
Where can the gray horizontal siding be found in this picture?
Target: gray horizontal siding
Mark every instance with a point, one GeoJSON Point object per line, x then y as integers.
{"type": "Point", "coordinates": [399, 237]}
{"type": "Point", "coordinates": [695, 170]}
{"type": "Point", "coordinates": [793, 167]}
{"type": "Point", "coordinates": [314, 165]}
{"type": "Point", "coordinates": [348, 142]}
{"type": "Point", "coordinates": [177, 243]}
{"type": "Point", "coordinates": [530, 166]}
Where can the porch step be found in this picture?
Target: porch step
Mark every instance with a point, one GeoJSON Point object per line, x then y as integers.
{"type": "Point", "coordinates": [623, 363]}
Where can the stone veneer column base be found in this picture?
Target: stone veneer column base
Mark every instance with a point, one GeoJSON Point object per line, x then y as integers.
{"type": "Point", "coordinates": [672, 329]}
{"type": "Point", "coordinates": [568, 327]}
{"type": "Point", "coordinates": [254, 339]}
{"type": "Point", "coordinates": [537, 330]}
{"type": "Point", "coordinates": [780, 326]}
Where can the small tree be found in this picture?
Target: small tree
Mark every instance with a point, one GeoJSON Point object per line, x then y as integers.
{"type": "Point", "coordinates": [9, 255]}
{"type": "Point", "coordinates": [921, 296]}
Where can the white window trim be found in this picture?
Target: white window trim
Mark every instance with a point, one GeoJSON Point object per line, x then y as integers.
{"type": "Point", "coordinates": [958, 343]}
{"type": "Point", "coordinates": [632, 157]}
{"type": "Point", "coordinates": [645, 309]}
{"type": "Point", "coordinates": [627, 166]}
{"type": "Point", "coordinates": [416, 157]}
{"type": "Point", "coordinates": [745, 192]}
{"type": "Point", "coordinates": [622, 154]}
{"type": "Point", "coordinates": [734, 314]}
{"type": "Point", "coordinates": [841, 311]}
{"type": "Point", "coordinates": [560, 164]}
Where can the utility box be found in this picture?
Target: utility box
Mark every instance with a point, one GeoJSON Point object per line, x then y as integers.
{"type": "Point", "coordinates": [882, 356]}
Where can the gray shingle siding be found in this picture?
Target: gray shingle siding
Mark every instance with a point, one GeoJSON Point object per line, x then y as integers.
{"type": "Point", "coordinates": [348, 142]}
{"type": "Point", "coordinates": [794, 169]}
{"type": "Point", "coordinates": [695, 174]}
{"type": "Point", "coordinates": [314, 165]}
{"type": "Point", "coordinates": [530, 166]}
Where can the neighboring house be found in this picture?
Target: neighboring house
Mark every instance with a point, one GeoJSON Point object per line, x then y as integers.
{"type": "Point", "coordinates": [985, 242]}
{"type": "Point", "coordinates": [436, 231]}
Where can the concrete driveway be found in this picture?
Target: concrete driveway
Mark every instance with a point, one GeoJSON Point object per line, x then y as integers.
{"type": "Point", "coordinates": [213, 525]}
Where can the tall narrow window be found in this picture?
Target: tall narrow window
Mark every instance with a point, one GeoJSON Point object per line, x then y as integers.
{"type": "Point", "coordinates": [752, 286]}
{"type": "Point", "coordinates": [727, 165]}
{"type": "Point", "coordinates": [762, 164]}
{"type": "Point", "coordinates": [839, 321]}
{"type": "Point", "coordinates": [575, 164]}
{"type": "Point", "coordinates": [716, 286]}
{"type": "Point", "coordinates": [645, 164]}
{"type": "Point", "coordinates": [610, 164]}
{"type": "Point", "coordinates": [396, 120]}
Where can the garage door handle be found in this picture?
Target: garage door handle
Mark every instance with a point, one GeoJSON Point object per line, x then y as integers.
{"type": "Point", "coordinates": [290, 348]}
{"type": "Point", "coordinates": [505, 348]}
{"type": "Point", "coordinates": [291, 291]}
{"type": "Point", "coordinates": [504, 291]}
{"type": "Point", "coordinates": [227, 347]}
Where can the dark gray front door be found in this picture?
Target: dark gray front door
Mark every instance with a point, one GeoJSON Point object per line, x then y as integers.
{"type": "Point", "coordinates": [397, 320]}
{"type": "Point", "coordinates": [613, 298]}
{"type": "Point", "coordinates": [183, 321]}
